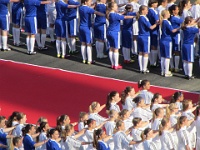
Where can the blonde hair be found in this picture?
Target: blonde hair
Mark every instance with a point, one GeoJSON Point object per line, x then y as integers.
{"type": "Point", "coordinates": [111, 113]}
{"type": "Point", "coordinates": [156, 113]}
{"type": "Point", "coordinates": [197, 2]}
{"type": "Point", "coordinates": [163, 123]}
{"type": "Point", "coordinates": [122, 113]}
{"type": "Point", "coordinates": [180, 122]}
{"type": "Point", "coordinates": [65, 132]}
{"type": "Point", "coordinates": [186, 104]}
{"type": "Point", "coordinates": [170, 108]}
{"type": "Point", "coordinates": [162, 15]}
{"type": "Point", "coordinates": [93, 106]}
{"type": "Point", "coordinates": [81, 115]}
{"type": "Point", "coordinates": [118, 124]}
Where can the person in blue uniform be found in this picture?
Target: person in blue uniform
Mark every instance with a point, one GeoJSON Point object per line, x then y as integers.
{"type": "Point", "coordinates": [85, 11]}
{"type": "Point", "coordinates": [72, 26]}
{"type": "Point", "coordinates": [29, 134]}
{"type": "Point", "coordinates": [41, 27]}
{"type": "Point", "coordinates": [100, 29]}
{"type": "Point", "coordinates": [31, 23]}
{"type": "Point", "coordinates": [176, 22]}
{"type": "Point", "coordinates": [53, 144]}
{"type": "Point", "coordinates": [4, 24]}
{"type": "Point", "coordinates": [153, 18]}
{"type": "Point", "coordinates": [144, 38]}
{"type": "Point", "coordinates": [189, 31]}
{"type": "Point", "coordinates": [17, 9]}
{"type": "Point", "coordinates": [127, 32]}
{"type": "Point", "coordinates": [166, 43]}
{"type": "Point", "coordinates": [113, 33]}
{"type": "Point", "coordinates": [60, 27]}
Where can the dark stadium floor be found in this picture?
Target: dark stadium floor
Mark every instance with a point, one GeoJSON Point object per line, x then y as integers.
{"type": "Point", "coordinates": [129, 72]}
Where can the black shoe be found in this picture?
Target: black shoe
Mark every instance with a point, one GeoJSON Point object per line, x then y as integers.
{"type": "Point", "coordinates": [32, 53]}
{"type": "Point", "coordinates": [20, 44]}
{"type": "Point", "coordinates": [53, 42]}
{"type": "Point", "coordinates": [44, 48]}
{"type": "Point", "coordinates": [190, 77]}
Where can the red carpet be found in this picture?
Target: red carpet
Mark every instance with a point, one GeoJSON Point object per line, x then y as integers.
{"type": "Point", "coordinates": [39, 91]}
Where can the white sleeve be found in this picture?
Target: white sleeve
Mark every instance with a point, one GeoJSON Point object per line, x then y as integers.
{"type": "Point", "coordinates": [169, 141]}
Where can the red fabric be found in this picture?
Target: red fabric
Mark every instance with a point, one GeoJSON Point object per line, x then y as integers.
{"type": "Point", "coordinates": [39, 91]}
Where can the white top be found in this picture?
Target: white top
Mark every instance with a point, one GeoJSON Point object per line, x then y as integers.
{"type": "Point", "coordinates": [136, 6]}
{"type": "Point", "coordinates": [179, 105]}
{"type": "Point", "coordinates": [88, 137]}
{"type": "Point", "coordinates": [121, 2]}
{"type": "Point", "coordinates": [127, 123]}
{"type": "Point", "coordinates": [51, 6]}
{"type": "Point", "coordinates": [173, 119]}
{"type": "Point", "coordinates": [169, 5]}
{"type": "Point", "coordinates": [121, 141]}
{"type": "Point", "coordinates": [70, 144]}
{"type": "Point", "coordinates": [18, 130]}
{"type": "Point", "coordinates": [198, 126]}
{"type": "Point", "coordinates": [183, 138]}
{"type": "Point", "coordinates": [143, 2]}
{"type": "Point", "coordinates": [195, 10]}
{"type": "Point", "coordinates": [188, 114]}
{"type": "Point", "coordinates": [136, 134]}
{"type": "Point", "coordinates": [129, 104]}
{"type": "Point", "coordinates": [155, 106]}
{"type": "Point", "coordinates": [81, 126]}
{"type": "Point", "coordinates": [99, 119]}
{"type": "Point", "coordinates": [42, 137]}
{"type": "Point", "coordinates": [109, 126]}
{"type": "Point", "coordinates": [167, 141]}
{"type": "Point", "coordinates": [160, 9]}
{"type": "Point", "coordinates": [144, 114]}
{"type": "Point", "coordinates": [149, 145]}
{"type": "Point", "coordinates": [186, 13]}
{"type": "Point", "coordinates": [147, 96]}
{"type": "Point", "coordinates": [114, 106]}
{"type": "Point", "coordinates": [156, 123]}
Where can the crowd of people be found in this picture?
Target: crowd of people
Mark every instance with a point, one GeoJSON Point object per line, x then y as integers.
{"type": "Point", "coordinates": [150, 29]}
{"type": "Point", "coordinates": [143, 121]}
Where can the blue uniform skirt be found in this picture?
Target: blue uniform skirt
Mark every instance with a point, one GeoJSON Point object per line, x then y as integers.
{"type": "Point", "coordinates": [85, 34]}
{"type": "Point", "coordinates": [60, 28]}
{"type": "Point", "coordinates": [165, 48]}
{"type": "Point", "coordinates": [100, 31]}
{"type": "Point", "coordinates": [113, 39]}
{"type": "Point", "coordinates": [143, 44]}
{"type": "Point", "coordinates": [16, 16]}
{"type": "Point", "coordinates": [4, 24]}
{"type": "Point", "coordinates": [72, 27]}
{"type": "Point", "coordinates": [176, 39]}
{"type": "Point", "coordinates": [31, 25]}
{"type": "Point", "coordinates": [127, 38]}
{"type": "Point", "coordinates": [188, 52]}
{"type": "Point", "coordinates": [154, 39]}
{"type": "Point", "coordinates": [42, 21]}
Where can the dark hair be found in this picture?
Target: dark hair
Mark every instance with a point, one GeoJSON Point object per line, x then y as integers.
{"type": "Point", "coordinates": [176, 96]}
{"type": "Point", "coordinates": [124, 94]}
{"type": "Point", "coordinates": [109, 99]}
{"type": "Point", "coordinates": [122, 113]}
{"type": "Point", "coordinates": [109, 7]}
{"type": "Point", "coordinates": [155, 96]}
{"type": "Point", "coordinates": [142, 7]}
{"type": "Point", "coordinates": [161, 1]}
{"type": "Point", "coordinates": [136, 120]}
{"type": "Point", "coordinates": [66, 131]}
{"type": "Point", "coordinates": [188, 19]}
{"type": "Point", "coordinates": [152, 2]}
{"type": "Point", "coordinates": [12, 118]}
{"type": "Point", "coordinates": [51, 132]}
{"type": "Point", "coordinates": [96, 136]}
{"type": "Point", "coordinates": [172, 8]}
{"type": "Point", "coordinates": [163, 123]}
{"type": "Point", "coordinates": [186, 104]}
{"type": "Point", "coordinates": [2, 118]}
{"type": "Point", "coordinates": [128, 8]}
{"type": "Point", "coordinates": [26, 129]}
{"type": "Point", "coordinates": [60, 121]}
{"type": "Point", "coordinates": [16, 140]}
{"type": "Point", "coordinates": [20, 116]}
{"type": "Point", "coordinates": [89, 121]}
{"type": "Point", "coordinates": [181, 5]}
{"type": "Point", "coordinates": [144, 133]}
{"type": "Point", "coordinates": [156, 113]}
{"type": "Point", "coordinates": [197, 111]}
{"type": "Point", "coordinates": [180, 122]}
{"type": "Point", "coordinates": [40, 129]}
{"type": "Point", "coordinates": [83, 1]}
{"type": "Point", "coordinates": [142, 83]}
{"type": "Point", "coordinates": [137, 99]}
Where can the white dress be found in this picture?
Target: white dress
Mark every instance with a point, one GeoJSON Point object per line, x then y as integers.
{"type": "Point", "coordinates": [183, 139]}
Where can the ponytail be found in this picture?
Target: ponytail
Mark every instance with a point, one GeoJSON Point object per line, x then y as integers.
{"type": "Point", "coordinates": [124, 94]}
{"type": "Point", "coordinates": [155, 96]}
{"type": "Point", "coordinates": [93, 106]}
{"type": "Point", "coordinates": [142, 83]}
{"type": "Point", "coordinates": [109, 99]}
{"type": "Point", "coordinates": [96, 136]}
{"type": "Point", "coordinates": [65, 132]}
{"type": "Point", "coordinates": [163, 123]}
{"type": "Point", "coordinates": [144, 133]}
{"type": "Point", "coordinates": [197, 112]}
{"type": "Point", "coordinates": [156, 113]}
{"type": "Point", "coordinates": [180, 122]}
{"type": "Point", "coordinates": [123, 113]}
{"type": "Point", "coordinates": [26, 129]}
{"type": "Point", "coordinates": [142, 7]}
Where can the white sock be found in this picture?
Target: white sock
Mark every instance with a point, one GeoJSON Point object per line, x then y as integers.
{"type": "Point", "coordinates": [83, 51]}
{"type": "Point", "coordinates": [128, 56]}
{"type": "Point", "coordinates": [0, 42]}
{"type": "Point", "coordinates": [17, 36]}
{"type": "Point", "coordinates": [135, 46]}
{"type": "Point", "coordinates": [101, 48]}
{"type": "Point", "coordinates": [167, 61]}
{"type": "Point", "coordinates": [89, 53]}
{"type": "Point", "coordinates": [14, 34]}
{"type": "Point", "coordinates": [73, 44]}
{"type": "Point", "coordinates": [58, 43]}
{"type": "Point", "coordinates": [32, 44]}
{"type": "Point", "coordinates": [154, 56]}
{"type": "Point", "coordinates": [63, 46]}
{"type": "Point", "coordinates": [172, 62]}
{"type": "Point", "coordinates": [190, 67]}
{"type": "Point", "coordinates": [124, 53]}
{"type": "Point", "coordinates": [38, 40]}
{"type": "Point", "coordinates": [4, 41]}
{"type": "Point", "coordinates": [97, 49]}
{"type": "Point", "coordinates": [145, 63]}
{"type": "Point", "coordinates": [177, 59]}
{"type": "Point", "coordinates": [140, 57]}
{"type": "Point", "coordinates": [116, 58]}
{"type": "Point", "coordinates": [185, 67]}
{"type": "Point", "coordinates": [28, 44]}
{"type": "Point", "coordinates": [51, 33]}
{"type": "Point", "coordinates": [43, 40]}
{"type": "Point", "coordinates": [162, 63]}
{"type": "Point", "coordinates": [111, 58]}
